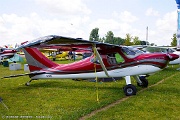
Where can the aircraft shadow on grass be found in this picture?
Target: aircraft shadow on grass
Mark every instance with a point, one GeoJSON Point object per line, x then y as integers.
{"type": "Point", "coordinates": [65, 85]}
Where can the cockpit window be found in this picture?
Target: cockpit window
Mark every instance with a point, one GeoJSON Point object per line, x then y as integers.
{"type": "Point", "coordinates": [131, 52]}
{"type": "Point", "coordinates": [128, 51]}
{"type": "Point", "coordinates": [169, 50]}
{"type": "Point", "coordinates": [114, 58]}
{"type": "Point", "coordinates": [119, 58]}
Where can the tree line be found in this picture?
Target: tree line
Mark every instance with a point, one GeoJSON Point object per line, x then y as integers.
{"type": "Point", "coordinates": [128, 40]}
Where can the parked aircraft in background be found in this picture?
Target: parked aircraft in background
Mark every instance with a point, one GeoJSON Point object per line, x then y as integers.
{"type": "Point", "coordinates": [54, 54]}
{"type": "Point", "coordinates": [156, 49]}
{"type": "Point", "coordinates": [107, 61]}
{"type": "Point", "coordinates": [6, 53]}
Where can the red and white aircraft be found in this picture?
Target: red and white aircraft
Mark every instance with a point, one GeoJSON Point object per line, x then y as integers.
{"type": "Point", "coordinates": [159, 49]}
{"type": "Point", "coordinates": [6, 53]}
{"type": "Point", "coordinates": [109, 61]}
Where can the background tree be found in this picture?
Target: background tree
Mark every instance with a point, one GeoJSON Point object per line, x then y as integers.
{"type": "Point", "coordinates": [174, 40]}
{"type": "Point", "coordinates": [136, 41]}
{"type": "Point", "coordinates": [94, 36]}
{"type": "Point", "coordinates": [109, 37]}
{"type": "Point", "coordinates": [118, 41]}
{"type": "Point", "coordinates": [102, 39]}
{"type": "Point", "coordinates": [128, 40]}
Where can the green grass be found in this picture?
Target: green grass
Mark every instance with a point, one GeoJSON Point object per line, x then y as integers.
{"type": "Point", "coordinates": [70, 100]}
{"type": "Point", "coordinates": [60, 99]}
{"type": "Point", "coordinates": [160, 102]}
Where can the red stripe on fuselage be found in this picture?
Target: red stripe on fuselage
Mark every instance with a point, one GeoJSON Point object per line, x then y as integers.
{"type": "Point", "coordinates": [37, 55]}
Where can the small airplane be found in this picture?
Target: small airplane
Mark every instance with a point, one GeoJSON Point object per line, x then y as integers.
{"type": "Point", "coordinates": [53, 53]}
{"type": "Point", "coordinates": [107, 61]}
{"type": "Point", "coordinates": [6, 53]}
{"type": "Point", "coordinates": [158, 49]}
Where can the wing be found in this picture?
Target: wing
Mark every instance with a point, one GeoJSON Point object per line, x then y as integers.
{"type": "Point", "coordinates": [66, 43]}
{"type": "Point", "coordinates": [74, 44]}
{"type": "Point", "coordinates": [153, 49]}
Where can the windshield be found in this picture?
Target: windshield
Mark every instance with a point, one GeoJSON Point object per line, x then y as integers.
{"type": "Point", "coordinates": [131, 52]}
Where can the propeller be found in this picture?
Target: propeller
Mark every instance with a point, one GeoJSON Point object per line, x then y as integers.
{"type": "Point", "coordinates": [172, 56]}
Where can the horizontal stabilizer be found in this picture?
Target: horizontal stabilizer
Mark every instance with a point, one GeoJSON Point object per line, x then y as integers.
{"type": "Point", "coordinates": [18, 75]}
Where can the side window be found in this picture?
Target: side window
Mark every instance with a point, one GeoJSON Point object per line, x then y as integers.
{"type": "Point", "coordinates": [119, 59]}
{"type": "Point", "coordinates": [115, 58]}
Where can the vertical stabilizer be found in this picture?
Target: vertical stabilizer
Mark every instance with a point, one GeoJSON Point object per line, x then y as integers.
{"type": "Point", "coordinates": [36, 60]}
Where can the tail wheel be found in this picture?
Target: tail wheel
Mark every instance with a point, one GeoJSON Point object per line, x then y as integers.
{"type": "Point", "coordinates": [27, 84]}
{"type": "Point", "coordinates": [144, 82]}
{"type": "Point", "coordinates": [130, 90]}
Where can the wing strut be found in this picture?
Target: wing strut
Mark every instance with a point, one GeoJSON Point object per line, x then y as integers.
{"type": "Point", "coordinates": [100, 60]}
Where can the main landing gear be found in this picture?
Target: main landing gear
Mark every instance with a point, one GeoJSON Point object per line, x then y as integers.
{"type": "Point", "coordinates": [130, 89]}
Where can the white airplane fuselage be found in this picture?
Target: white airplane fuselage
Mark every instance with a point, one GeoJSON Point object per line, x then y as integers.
{"type": "Point", "coordinates": [128, 71]}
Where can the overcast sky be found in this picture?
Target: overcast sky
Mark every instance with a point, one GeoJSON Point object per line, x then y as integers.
{"type": "Point", "coordinates": [26, 20]}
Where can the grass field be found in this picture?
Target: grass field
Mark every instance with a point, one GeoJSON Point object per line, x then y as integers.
{"type": "Point", "coordinates": [71, 100]}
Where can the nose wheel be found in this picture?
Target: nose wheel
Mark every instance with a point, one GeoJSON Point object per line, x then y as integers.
{"type": "Point", "coordinates": [129, 89]}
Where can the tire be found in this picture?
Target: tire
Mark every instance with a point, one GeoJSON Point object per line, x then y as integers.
{"type": "Point", "coordinates": [27, 84]}
{"type": "Point", "coordinates": [130, 90]}
{"type": "Point", "coordinates": [144, 82]}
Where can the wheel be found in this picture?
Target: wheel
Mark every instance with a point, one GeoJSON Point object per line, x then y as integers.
{"type": "Point", "coordinates": [27, 84]}
{"type": "Point", "coordinates": [144, 81]}
{"type": "Point", "coordinates": [130, 90]}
